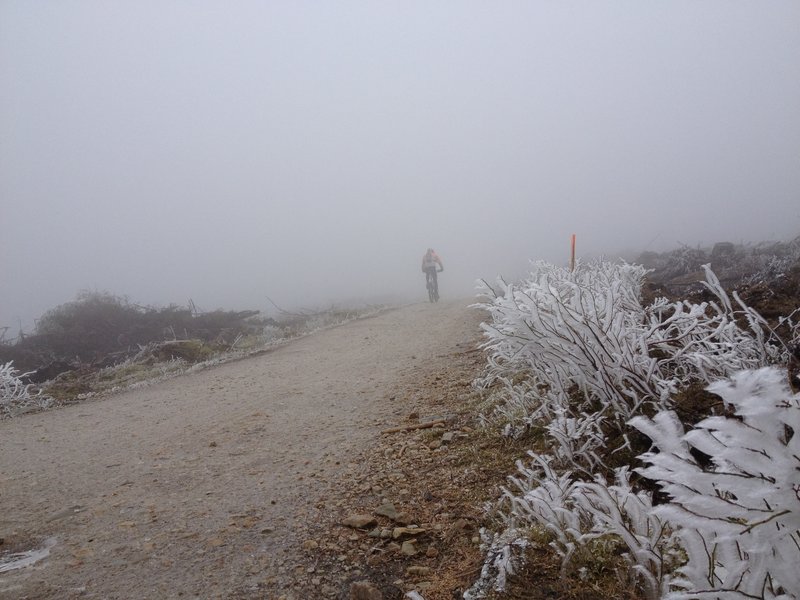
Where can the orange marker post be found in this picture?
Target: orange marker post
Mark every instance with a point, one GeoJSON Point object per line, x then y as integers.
{"type": "Point", "coordinates": [572, 259]}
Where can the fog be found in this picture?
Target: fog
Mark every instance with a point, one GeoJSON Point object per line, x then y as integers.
{"type": "Point", "coordinates": [310, 152]}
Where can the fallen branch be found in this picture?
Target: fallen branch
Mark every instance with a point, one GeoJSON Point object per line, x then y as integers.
{"type": "Point", "coordinates": [425, 425]}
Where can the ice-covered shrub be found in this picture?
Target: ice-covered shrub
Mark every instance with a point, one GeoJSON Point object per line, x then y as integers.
{"type": "Point", "coordinates": [577, 512]}
{"type": "Point", "coordinates": [738, 520]}
{"type": "Point", "coordinates": [12, 387]}
{"type": "Point", "coordinates": [271, 333]}
{"type": "Point", "coordinates": [15, 394]}
{"type": "Point", "coordinates": [685, 260]}
{"type": "Point", "coordinates": [770, 262]}
{"type": "Point", "coordinates": [587, 329]}
{"type": "Point", "coordinates": [578, 328]}
{"type": "Point", "coordinates": [594, 358]}
{"type": "Point", "coordinates": [545, 497]}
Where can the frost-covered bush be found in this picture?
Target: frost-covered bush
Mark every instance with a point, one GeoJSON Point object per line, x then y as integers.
{"type": "Point", "coordinates": [15, 395]}
{"type": "Point", "coordinates": [11, 386]}
{"type": "Point", "coordinates": [738, 520]}
{"type": "Point", "coordinates": [577, 512]}
{"type": "Point", "coordinates": [770, 262]}
{"type": "Point", "coordinates": [577, 329]}
{"type": "Point", "coordinates": [271, 333]}
{"type": "Point", "coordinates": [594, 359]}
{"type": "Point", "coordinates": [685, 260]}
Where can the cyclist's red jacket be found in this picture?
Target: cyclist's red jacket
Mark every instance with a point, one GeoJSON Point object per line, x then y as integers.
{"type": "Point", "coordinates": [430, 260]}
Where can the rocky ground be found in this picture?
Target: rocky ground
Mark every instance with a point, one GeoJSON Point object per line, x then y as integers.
{"type": "Point", "coordinates": [411, 505]}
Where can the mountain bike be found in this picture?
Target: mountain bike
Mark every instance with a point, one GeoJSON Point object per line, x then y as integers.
{"type": "Point", "coordinates": [432, 283]}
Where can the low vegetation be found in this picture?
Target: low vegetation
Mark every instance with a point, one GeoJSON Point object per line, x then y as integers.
{"type": "Point", "coordinates": [101, 343]}
{"type": "Point", "coordinates": [663, 454]}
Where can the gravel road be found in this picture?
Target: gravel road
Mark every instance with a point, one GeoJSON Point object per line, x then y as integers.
{"type": "Point", "coordinates": [196, 487]}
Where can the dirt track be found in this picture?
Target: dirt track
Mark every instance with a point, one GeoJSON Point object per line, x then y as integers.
{"type": "Point", "coordinates": [196, 487]}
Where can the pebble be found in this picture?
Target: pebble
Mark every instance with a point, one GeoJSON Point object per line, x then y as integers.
{"type": "Point", "coordinates": [408, 548]}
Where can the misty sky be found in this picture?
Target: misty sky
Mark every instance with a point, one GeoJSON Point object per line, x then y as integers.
{"type": "Point", "coordinates": [312, 151]}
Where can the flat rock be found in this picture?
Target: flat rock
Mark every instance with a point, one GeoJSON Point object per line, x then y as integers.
{"type": "Point", "coordinates": [398, 532]}
{"type": "Point", "coordinates": [387, 510]}
{"type": "Point", "coordinates": [408, 548]}
{"type": "Point", "coordinates": [360, 521]}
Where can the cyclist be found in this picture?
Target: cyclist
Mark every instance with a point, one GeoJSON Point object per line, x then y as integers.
{"type": "Point", "coordinates": [429, 262]}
